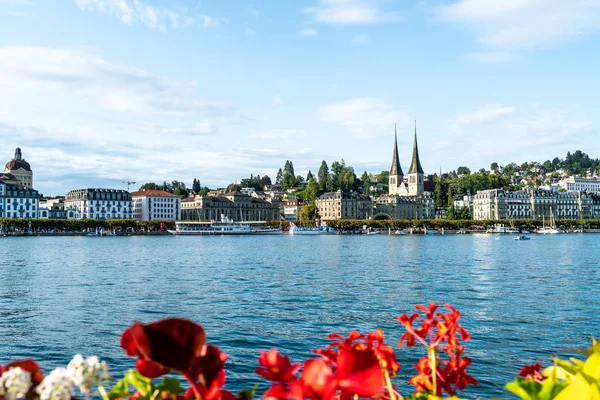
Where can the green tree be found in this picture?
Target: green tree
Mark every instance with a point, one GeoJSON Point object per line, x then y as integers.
{"type": "Point", "coordinates": [312, 189]}
{"type": "Point", "coordinates": [464, 213]}
{"type": "Point", "coordinates": [463, 171]}
{"type": "Point", "coordinates": [309, 175]}
{"type": "Point", "coordinates": [196, 187]}
{"type": "Point", "coordinates": [493, 166]}
{"type": "Point", "coordinates": [149, 186]}
{"type": "Point", "coordinates": [438, 192]}
{"type": "Point", "coordinates": [324, 178]}
{"type": "Point", "coordinates": [279, 178]}
{"type": "Point", "coordinates": [308, 214]}
{"type": "Point", "coordinates": [366, 182]}
{"type": "Point", "coordinates": [265, 181]}
{"type": "Point", "coordinates": [179, 188]}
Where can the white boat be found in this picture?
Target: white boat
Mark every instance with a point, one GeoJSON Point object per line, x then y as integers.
{"type": "Point", "coordinates": [522, 237]}
{"type": "Point", "coordinates": [500, 228]}
{"type": "Point", "coordinates": [550, 230]}
{"type": "Point", "coordinates": [373, 233]}
{"type": "Point", "coordinates": [322, 229]}
{"type": "Point", "coordinates": [401, 232]}
{"type": "Point", "coordinates": [224, 227]}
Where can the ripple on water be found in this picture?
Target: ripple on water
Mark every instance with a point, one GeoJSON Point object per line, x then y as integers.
{"type": "Point", "coordinates": [522, 301]}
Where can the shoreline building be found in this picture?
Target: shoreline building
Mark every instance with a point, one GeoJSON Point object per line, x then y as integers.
{"type": "Point", "coordinates": [338, 205]}
{"type": "Point", "coordinates": [20, 169]}
{"type": "Point", "coordinates": [237, 206]}
{"type": "Point", "coordinates": [495, 204]}
{"type": "Point", "coordinates": [54, 209]}
{"type": "Point", "coordinates": [156, 205]}
{"type": "Point", "coordinates": [578, 183]}
{"type": "Point", "coordinates": [99, 204]}
{"type": "Point", "coordinates": [17, 201]}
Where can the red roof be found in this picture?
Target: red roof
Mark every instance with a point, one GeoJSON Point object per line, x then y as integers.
{"type": "Point", "coordinates": [152, 193]}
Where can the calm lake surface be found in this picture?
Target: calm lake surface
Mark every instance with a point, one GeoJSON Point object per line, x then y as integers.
{"type": "Point", "coordinates": [522, 301]}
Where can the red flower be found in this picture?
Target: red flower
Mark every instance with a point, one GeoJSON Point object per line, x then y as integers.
{"type": "Point", "coordinates": [275, 367]}
{"type": "Point", "coordinates": [318, 380]}
{"type": "Point", "coordinates": [532, 372]}
{"type": "Point", "coordinates": [358, 372]}
{"type": "Point", "coordinates": [291, 390]}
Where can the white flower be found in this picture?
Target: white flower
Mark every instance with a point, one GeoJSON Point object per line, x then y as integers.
{"type": "Point", "coordinates": [56, 386]}
{"type": "Point", "coordinates": [87, 372]}
{"type": "Point", "coordinates": [15, 383]}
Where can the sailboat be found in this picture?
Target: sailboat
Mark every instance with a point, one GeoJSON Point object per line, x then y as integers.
{"type": "Point", "coordinates": [552, 229]}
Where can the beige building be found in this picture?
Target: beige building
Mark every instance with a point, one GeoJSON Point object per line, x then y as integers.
{"type": "Point", "coordinates": [414, 185]}
{"type": "Point", "coordinates": [404, 207]}
{"type": "Point", "coordinates": [537, 204]}
{"type": "Point", "coordinates": [237, 206]}
{"type": "Point", "coordinates": [338, 205]}
{"type": "Point", "coordinates": [20, 169]}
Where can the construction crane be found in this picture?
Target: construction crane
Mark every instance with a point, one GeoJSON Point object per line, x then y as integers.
{"type": "Point", "coordinates": [125, 182]}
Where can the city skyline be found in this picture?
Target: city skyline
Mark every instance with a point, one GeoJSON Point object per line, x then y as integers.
{"type": "Point", "coordinates": [153, 91]}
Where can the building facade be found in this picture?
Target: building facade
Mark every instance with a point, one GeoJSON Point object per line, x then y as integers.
{"type": "Point", "coordinates": [237, 206]}
{"type": "Point", "coordinates": [99, 204]}
{"type": "Point", "coordinates": [404, 207]}
{"type": "Point", "coordinates": [54, 209]}
{"type": "Point", "coordinates": [537, 204]}
{"type": "Point", "coordinates": [338, 205]}
{"type": "Point", "coordinates": [17, 201]}
{"type": "Point", "coordinates": [290, 209]}
{"type": "Point", "coordinates": [156, 205]}
{"type": "Point", "coordinates": [580, 184]}
{"type": "Point", "coordinates": [20, 169]}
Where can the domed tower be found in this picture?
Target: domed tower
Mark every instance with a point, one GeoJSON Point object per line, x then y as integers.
{"type": "Point", "coordinates": [20, 169]}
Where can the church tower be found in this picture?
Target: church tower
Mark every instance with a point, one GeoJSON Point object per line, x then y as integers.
{"type": "Point", "coordinates": [415, 172]}
{"type": "Point", "coordinates": [396, 179]}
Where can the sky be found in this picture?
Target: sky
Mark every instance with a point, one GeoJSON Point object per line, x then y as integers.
{"type": "Point", "coordinates": [149, 90]}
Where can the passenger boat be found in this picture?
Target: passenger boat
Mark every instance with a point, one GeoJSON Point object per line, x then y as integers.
{"type": "Point", "coordinates": [322, 229]}
{"type": "Point", "coordinates": [224, 227]}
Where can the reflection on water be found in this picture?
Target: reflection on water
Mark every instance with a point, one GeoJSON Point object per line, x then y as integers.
{"type": "Point", "coordinates": [522, 301]}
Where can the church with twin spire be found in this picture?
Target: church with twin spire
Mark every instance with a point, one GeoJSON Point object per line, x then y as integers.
{"type": "Point", "coordinates": [407, 198]}
{"type": "Point", "coordinates": [414, 185]}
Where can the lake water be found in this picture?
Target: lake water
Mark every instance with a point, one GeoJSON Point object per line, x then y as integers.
{"type": "Point", "coordinates": [522, 301]}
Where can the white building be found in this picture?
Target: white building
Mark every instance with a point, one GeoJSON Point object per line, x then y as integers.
{"type": "Point", "coordinates": [156, 205]}
{"type": "Point", "coordinates": [580, 184]}
{"type": "Point", "coordinates": [17, 201]}
{"type": "Point", "coordinates": [99, 204]}
{"type": "Point", "coordinates": [54, 209]}
{"type": "Point", "coordinates": [290, 209]}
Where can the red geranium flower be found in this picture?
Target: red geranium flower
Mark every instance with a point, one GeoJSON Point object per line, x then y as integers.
{"type": "Point", "coordinates": [164, 345]}
{"type": "Point", "coordinates": [532, 372]}
{"type": "Point", "coordinates": [275, 367]}
{"type": "Point", "coordinates": [318, 380]}
{"type": "Point", "coordinates": [28, 365]}
{"type": "Point", "coordinates": [291, 390]}
{"type": "Point", "coordinates": [358, 372]}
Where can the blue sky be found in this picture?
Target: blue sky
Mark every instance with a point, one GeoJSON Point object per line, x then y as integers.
{"type": "Point", "coordinates": [149, 90]}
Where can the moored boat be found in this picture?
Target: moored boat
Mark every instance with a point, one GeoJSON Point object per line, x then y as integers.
{"type": "Point", "coordinates": [322, 229]}
{"type": "Point", "coordinates": [224, 227]}
{"type": "Point", "coordinates": [522, 237]}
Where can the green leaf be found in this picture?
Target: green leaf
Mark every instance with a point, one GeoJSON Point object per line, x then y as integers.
{"type": "Point", "coordinates": [140, 382]}
{"type": "Point", "coordinates": [171, 384]}
{"type": "Point", "coordinates": [120, 390]}
{"type": "Point", "coordinates": [247, 394]}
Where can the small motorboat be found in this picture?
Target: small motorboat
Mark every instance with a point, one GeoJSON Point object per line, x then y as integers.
{"type": "Point", "coordinates": [522, 237]}
{"type": "Point", "coordinates": [401, 232]}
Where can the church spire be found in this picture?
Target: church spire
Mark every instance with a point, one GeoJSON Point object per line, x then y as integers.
{"type": "Point", "coordinates": [396, 168]}
{"type": "Point", "coordinates": [415, 165]}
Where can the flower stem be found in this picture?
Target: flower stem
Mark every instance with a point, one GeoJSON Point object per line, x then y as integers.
{"type": "Point", "coordinates": [103, 392]}
{"type": "Point", "coordinates": [388, 384]}
{"type": "Point", "coordinates": [433, 365]}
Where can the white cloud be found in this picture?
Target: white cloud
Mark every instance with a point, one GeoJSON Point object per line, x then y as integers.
{"type": "Point", "coordinates": [136, 11]}
{"type": "Point", "coordinates": [279, 134]}
{"type": "Point", "coordinates": [365, 117]}
{"type": "Point", "coordinates": [111, 86]}
{"type": "Point", "coordinates": [308, 32]}
{"type": "Point", "coordinates": [249, 32]}
{"type": "Point", "coordinates": [277, 100]}
{"type": "Point", "coordinates": [200, 128]}
{"type": "Point", "coordinates": [485, 113]}
{"type": "Point", "coordinates": [359, 40]}
{"type": "Point", "coordinates": [350, 12]}
{"type": "Point", "coordinates": [518, 24]}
